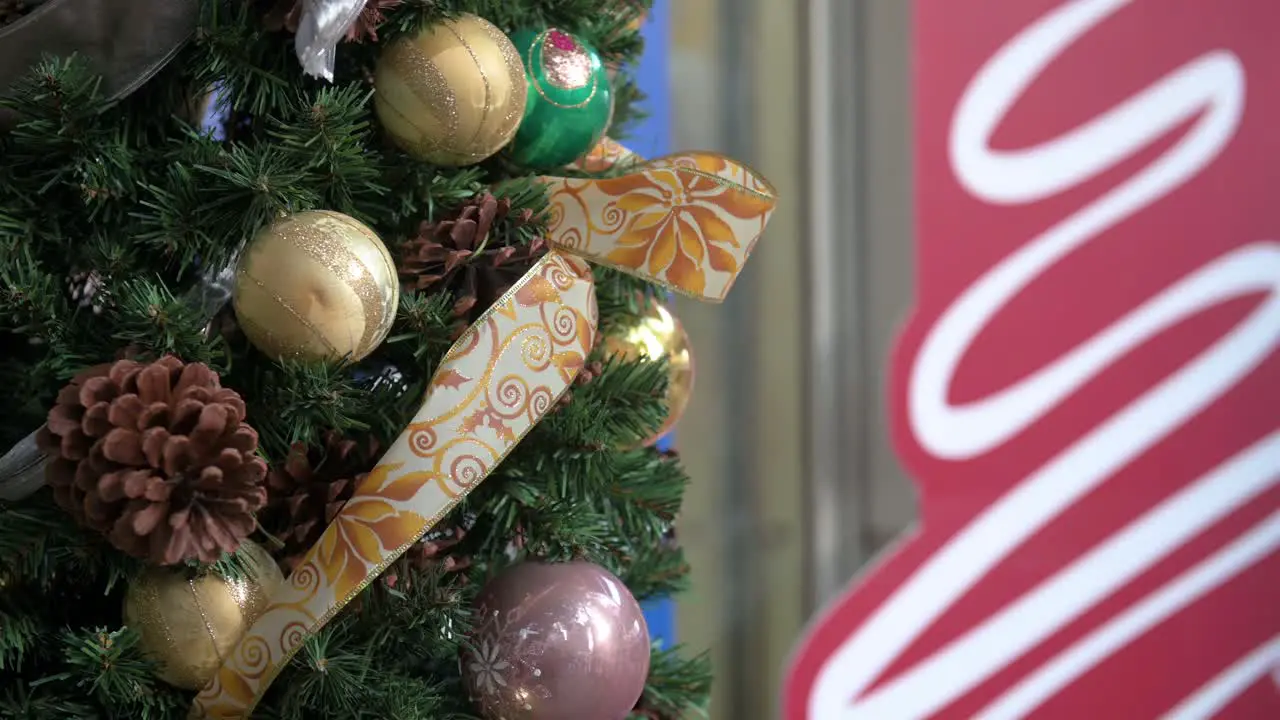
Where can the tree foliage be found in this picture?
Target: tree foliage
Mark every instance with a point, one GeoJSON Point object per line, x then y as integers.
{"type": "Point", "coordinates": [150, 202]}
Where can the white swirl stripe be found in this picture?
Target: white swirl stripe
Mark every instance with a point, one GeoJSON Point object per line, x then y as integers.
{"type": "Point", "coordinates": [1213, 697]}
{"type": "Point", "coordinates": [1209, 93]}
{"type": "Point", "coordinates": [1192, 584]}
{"type": "Point", "coordinates": [1002, 638]}
{"type": "Point", "coordinates": [1211, 88]}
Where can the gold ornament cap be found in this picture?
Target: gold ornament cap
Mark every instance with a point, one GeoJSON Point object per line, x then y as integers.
{"type": "Point", "coordinates": [316, 285]}
{"type": "Point", "coordinates": [452, 95]}
{"type": "Point", "coordinates": [190, 624]}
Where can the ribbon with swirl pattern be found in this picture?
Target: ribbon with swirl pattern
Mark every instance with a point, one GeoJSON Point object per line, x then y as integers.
{"type": "Point", "coordinates": [687, 222]}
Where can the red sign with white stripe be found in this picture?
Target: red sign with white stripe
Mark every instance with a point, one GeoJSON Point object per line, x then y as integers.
{"type": "Point", "coordinates": [1088, 391]}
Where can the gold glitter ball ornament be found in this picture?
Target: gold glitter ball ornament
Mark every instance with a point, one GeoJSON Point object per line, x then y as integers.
{"type": "Point", "coordinates": [658, 335]}
{"type": "Point", "coordinates": [316, 285]}
{"type": "Point", "coordinates": [453, 94]}
{"type": "Point", "coordinates": [188, 625]}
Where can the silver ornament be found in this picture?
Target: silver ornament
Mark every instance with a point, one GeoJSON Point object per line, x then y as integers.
{"type": "Point", "coordinates": [22, 470]}
{"type": "Point", "coordinates": [320, 28]}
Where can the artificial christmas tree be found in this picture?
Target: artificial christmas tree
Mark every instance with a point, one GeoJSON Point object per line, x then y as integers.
{"type": "Point", "coordinates": [393, 466]}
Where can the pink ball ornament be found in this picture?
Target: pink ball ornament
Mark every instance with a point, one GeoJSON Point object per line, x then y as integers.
{"type": "Point", "coordinates": [557, 641]}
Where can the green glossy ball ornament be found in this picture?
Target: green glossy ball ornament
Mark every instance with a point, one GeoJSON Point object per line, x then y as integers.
{"type": "Point", "coordinates": [570, 101]}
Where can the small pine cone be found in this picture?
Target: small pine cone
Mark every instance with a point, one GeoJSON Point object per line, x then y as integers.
{"type": "Point", "coordinates": [458, 255]}
{"type": "Point", "coordinates": [588, 373]}
{"type": "Point", "coordinates": [306, 491]}
{"type": "Point", "coordinates": [436, 550]}
{"type": "Point", "coordinates": [371, 18]}
{"type": "Point", "coordinates": [157, 457]}
{"type": "Point", "coordinates": [89, 290]}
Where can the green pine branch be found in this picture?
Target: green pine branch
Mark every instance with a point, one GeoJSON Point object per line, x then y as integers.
{"type": "Point", "coordinates": [108, 666]}
{"type": "Point", "coordinates": [294, 402]}
{"type": "Point", "coordinates": [678, 687]}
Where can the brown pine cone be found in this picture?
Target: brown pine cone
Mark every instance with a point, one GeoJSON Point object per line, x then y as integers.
{"type": "Point", "coordinates": [285, 14]}
{"type": "Point", "coordinates": [306, 491]}
{"type": "Point", "coordinates": [460, 256]}
{"type": "Point", "coordinates": [589, 372]}
{"type": "Point", "coordinates": [157, 457]}
{"type": "Point", "coordinates": [436, 550]}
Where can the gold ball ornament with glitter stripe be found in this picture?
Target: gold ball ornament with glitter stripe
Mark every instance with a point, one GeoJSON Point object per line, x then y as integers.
{"type": "Point", "coordinates": [453, 94]}
{"type": "Point", "coordinates": [188, 625]}
{"type": "Point", "coordinates": [316, 285]}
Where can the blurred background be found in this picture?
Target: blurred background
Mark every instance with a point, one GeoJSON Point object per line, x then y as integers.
{"type": "Point", "coordinates": [795, 483]}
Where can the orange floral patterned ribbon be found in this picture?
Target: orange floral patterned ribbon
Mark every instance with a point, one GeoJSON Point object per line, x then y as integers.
{"type": "Point", "coordinates": [606, 155]}
{"type": "Point", "coordinates": [687, 222]}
